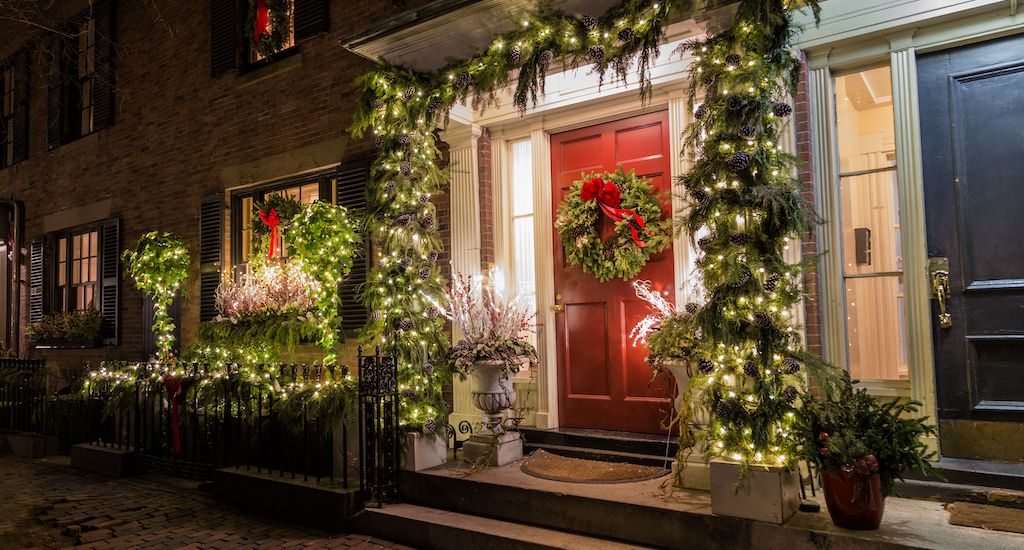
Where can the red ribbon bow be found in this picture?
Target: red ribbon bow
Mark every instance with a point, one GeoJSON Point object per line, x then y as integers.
{"type": "Point", "coordinates": [262, 22]}
{"type": "Point", "coordinates": [609, 197]}
{"type": "Point", "coordinates": [271, 219]}
{"type": "Point", "coordinates": [174, 395]}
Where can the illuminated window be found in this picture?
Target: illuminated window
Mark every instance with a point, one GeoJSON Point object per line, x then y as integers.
{"type": "Point", "coordinates": [77, 270]}
{"type": "Point", "coordinates": [254, 56]}
{"type": "Point", "coordinates": [305, 190]}
{"type": "Point", "coordinates": [524, 276]}
{"type": "Point", "coordinates": [871, 245]}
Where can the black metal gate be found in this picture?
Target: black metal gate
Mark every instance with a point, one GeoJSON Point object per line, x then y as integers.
{"type": "Point", "coordinates": [378, 426]}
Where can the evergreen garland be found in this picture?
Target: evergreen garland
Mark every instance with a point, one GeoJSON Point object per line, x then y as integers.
{"type": "Point", "coordinates": [742, 189]}
{"type": "Point", "coordinates": [619, 257]}
{"type": "Point", "coordinates": [159, 265]}
{"type": "Point", "coordinates": [402, 108]}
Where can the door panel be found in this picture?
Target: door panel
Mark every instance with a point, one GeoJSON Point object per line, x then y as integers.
{"type": "Point", "coordinates": [604, 382]}
{"type": "Point", "coordinates": [972, 127]}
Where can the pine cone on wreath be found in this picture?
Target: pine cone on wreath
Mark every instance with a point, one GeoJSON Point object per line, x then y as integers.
{"type": "Point", "coordinates": [627, 35]}
{"type": "Point", "coordinates": [750, 369]}
{"type": "Point", "coordinates": [740, 161]}
{"type": "Point", "coordinates": [609, 254]}
{"type": "Point", "coordinates": [706, 240]}
{"type": "Point", "coordinates": [748, 132]}
{"type": "Point", "coordinates": [733, 59]}
{"type": "Point", "coordinates": [596, 53]}
{"type": "Point", "coordinates": [514, 55]}
{"type": "Point", "coordinates": [781, 109]}
{"type": "Point", "coordinates": [589, 22]}
{"type": "Point", "coordinates": [734, 103]}
{"type": "Point", "coordinates": [772, 282]}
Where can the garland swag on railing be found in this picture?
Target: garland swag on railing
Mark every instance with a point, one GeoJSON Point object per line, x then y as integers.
{"type": "Point", "coordinates": [403, 108]}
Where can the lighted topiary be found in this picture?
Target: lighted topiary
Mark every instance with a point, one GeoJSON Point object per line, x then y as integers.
{"type": "Point", "coordinates": [159, 266]}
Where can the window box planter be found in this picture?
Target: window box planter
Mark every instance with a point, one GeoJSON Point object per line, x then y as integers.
{"type": "Point", "coordinates": [68, 343]}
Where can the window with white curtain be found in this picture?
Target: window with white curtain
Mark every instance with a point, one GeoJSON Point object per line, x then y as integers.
{"type": "Point", "coordinates": [872, 263]}
{"type": "Point", "coordinates": [523, 273]}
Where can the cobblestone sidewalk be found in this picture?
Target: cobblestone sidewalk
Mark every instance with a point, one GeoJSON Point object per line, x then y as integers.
{"type": "Point", "coordinates": [48, 504]}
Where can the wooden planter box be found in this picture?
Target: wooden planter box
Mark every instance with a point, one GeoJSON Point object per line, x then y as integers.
{"type": "Point", "coordinates": [423, 452]}
{"type": "Point", "coordinates": [770, 495]}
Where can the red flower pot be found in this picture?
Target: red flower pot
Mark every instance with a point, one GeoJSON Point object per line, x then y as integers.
{"type": "Point", "coordinates": [855, 501]}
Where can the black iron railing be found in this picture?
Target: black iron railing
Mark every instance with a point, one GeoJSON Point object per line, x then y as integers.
{"type": "Point", "coordinates": [378, 427]}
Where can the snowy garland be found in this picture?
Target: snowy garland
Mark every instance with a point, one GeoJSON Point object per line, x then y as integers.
{"type": "Point", "coordinates": [627, 200]}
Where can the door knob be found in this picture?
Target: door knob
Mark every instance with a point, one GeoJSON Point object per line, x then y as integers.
{"type": "Point", "coordinates": [558, 308]}
{"type": "Point", "coordinates": [939, 275]}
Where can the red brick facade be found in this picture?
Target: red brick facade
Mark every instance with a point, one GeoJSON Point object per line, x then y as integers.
{"type": "Point", "coordinates": [802, 120]}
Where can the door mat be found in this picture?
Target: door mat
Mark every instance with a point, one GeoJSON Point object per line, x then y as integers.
{"type": "Point", "coordinates": [984, 516]}
{"type": "Point", "coordinates": [546, 465]}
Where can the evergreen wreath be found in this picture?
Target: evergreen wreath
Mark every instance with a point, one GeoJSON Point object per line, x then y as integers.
{"type": "Point", "coordinates": [622, 256]}
{"type": "Point", "coordinates": [278, 27]}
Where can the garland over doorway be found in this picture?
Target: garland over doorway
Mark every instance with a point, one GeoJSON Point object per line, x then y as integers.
{"type": "Point", "coordinates": [403, 108]}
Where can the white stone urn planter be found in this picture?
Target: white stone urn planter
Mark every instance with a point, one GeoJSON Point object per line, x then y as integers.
{"type": "Point", "coordinates": [696, 473]}
{"type": "Point", "coordinates": [768, 494]}
{"type": "Point", "coordinates": [424, 451]}
{"type": "Point", "coordinates": [493, 392]}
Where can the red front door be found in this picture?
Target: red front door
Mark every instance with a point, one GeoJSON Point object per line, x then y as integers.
{"type": "Point", "coordinates": [604, 382]}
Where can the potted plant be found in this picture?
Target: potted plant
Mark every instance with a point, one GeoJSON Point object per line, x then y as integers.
{"type": "Point", "coordinates": [66, 329]}
{"type": "Point", "coordinates": [861, 445]}
{"type": "Point", "coordinates": [494, 346]}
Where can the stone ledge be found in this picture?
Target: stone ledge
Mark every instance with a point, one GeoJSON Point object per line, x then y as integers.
{"type": "Point", "coordinates": [107, 461]}
{"type": "Point", "coordinates": [28, 445]}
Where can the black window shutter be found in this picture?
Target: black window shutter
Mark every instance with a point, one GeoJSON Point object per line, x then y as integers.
{"type": "Point", "coordinates": [351, 193]}
{"type": "Point", "coordinates": [224, 35]}
{"type": "Point", "coordinates": [19, 127]}
{"type": "Point", "coordinates": [54, 93]}
{"type": "Point", "coordinates": [104, 17]}
{"type": "Point", "coordinates": [312, 17]}
{"type": "Point", "coordinates": [211, 250]}
{"type": "Point", "coordinates": [110, 273]}
{"type": "Point", "coordinates": [36, 278]}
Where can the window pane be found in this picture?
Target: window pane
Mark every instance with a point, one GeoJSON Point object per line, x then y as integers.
{"type": "Point", "coordinates": [871, 223]}
{"type": "Point", "coordinates": [523, 261]}
{"type": "Point", "coordinates": [874, 328]}
{"type": "Point", "coordinates": [76, 247]}
{"type": "Point", "coordinates": [310, 193]}
{"type": "Point", "coordinates": [92, 269]}
{"type": "Point", "coordinates": [62, 249]}
{"type": "Point", "coordinates": [62, 273]}
{"type": "Point", "coordinates": [864, 120]}
{"type": "Point", "coordinates": [93, 239]}
{"type": "Point", "coordinates": [522, 178]}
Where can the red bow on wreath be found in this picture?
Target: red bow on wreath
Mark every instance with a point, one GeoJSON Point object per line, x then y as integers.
{"type": "Point", "coordinates": [262, 22]}
{"type": "Point", "coordinates": [271, 219]}
{"type": "Point", "coordinates": [174, 395]}
{"type": "Point", "coordinates": [609, 197]}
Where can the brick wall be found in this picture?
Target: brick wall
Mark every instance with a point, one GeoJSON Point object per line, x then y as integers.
{"type": "Point", "coordinates": [801, 117]}
{"type": "Point", "coordinates": [177, 130]}
{"type": "Point", "coordinates": [487, 253]}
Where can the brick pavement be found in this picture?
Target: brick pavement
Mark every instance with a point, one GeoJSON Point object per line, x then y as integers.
{"type": "Point", "coordinates": [48, 504]}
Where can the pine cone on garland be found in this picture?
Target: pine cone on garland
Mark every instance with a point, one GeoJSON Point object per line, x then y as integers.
{"type": "Point", "coordinates": [724, 410]}
{"type": "Point", "coordinates": [740, 161]}
{"type": "Point", "coordinates": [734, 103]}
{"type": "Point", "coordinates": [389, 186]}
{"type": "Point", "coordinates": [432, 256]}
{"type": "Point", "coordinates": [627, 35]}
{"type": "Point", "coordinates": [405, 167]}
{"type": "Point", "coordinates": [404, 263]}
{"type": "Point", "coordinates": [403, 220]}
{"type": "Point", "coordinates": [430, 426]}
{"type": "Point", "coordinates": [404, 139]}
{"type": "Point", "coordinates": [762, 319]}
{"type": "Point", "coordinates": [790, 365]}
{"type": "Point", "coordinates": [733, 59]}
{"type": "Point", "coordinates": [790, 394]}
{"type": "Point", "coordinates": [424, 199]}
{"type": "Point", "coordinates": [376, 315]}
{"type": "Point", "coordinates": [700, 195]}
{"type": "Point", "coordinates": [405, 324]}
{"type": "Point", "coordinates": [379, 217]}
{"type": "Point", "coordinates": [740, 238]}
{"type": "Point", "coordinates": [408, 93]}
{"type": "Point", "coordinates": [433, 104]}
{"type": "Point", "coordinates": [379, 104]}
{"type": "Point", "coordinates": [706, 240]}
{"type": "Point", "coordinates": [772, 282]}
{"type": "Point", "coordinates": [463, 80]}
{"type": "Point", "coordinates": [514, 55]}
{"type": "Point", "coordinates": [750, 369]}
{"type": "Point", "coordinates": [748, 132]}
{"type": "Point", "coordinates": [782, 109]}
{"type": "Point", "coordinates": [702, 111]}
{"type": "Point", "coordinates": [705, 366]}
{"type": "Point", "coordinates": [378, 141]}
{"type": "Point", "coordinates": [744, 277]}
{"type": "Point", "coordinates": [596, 53]}
{"type": "Point", "coordinates": [427, 221]}
{"type": "Point", "coordinates": [433, 312]}
{"type": "Point", "coordinates": [692, 308]}
{"type": "Point", "coordinates": [708, 80]}
{"type": "Point", "coordinates": [425, 273]}
{"type": "Point", "coordinates": [408, 394]}
{"type": "Point", "coordinates": [589, 22]}
{"type": "Point", "coordinates": [428, 369]}
{"type": "Point", "coordinates": [546, 57]}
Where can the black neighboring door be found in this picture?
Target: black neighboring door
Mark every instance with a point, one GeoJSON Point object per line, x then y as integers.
{"type": "Point", "coordinates": [972, 128]}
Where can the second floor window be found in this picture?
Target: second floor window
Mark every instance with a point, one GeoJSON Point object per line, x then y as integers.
{"type": "Point", "coordinates": [14, 108]}
{"type": "Point", "coordinates": [233, 31]}
{"type": "Point", "coordinates": [85, 55]}
{"type": "Point", "coordinates": [7, 114]}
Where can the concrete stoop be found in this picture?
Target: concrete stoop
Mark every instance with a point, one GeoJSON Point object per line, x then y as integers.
{"type": "Point", "coordinates": [423, 527]}
{"type": "Point", "coordinates": [448, 507]}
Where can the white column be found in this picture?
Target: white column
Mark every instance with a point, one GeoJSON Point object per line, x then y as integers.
{"type": "Point", "coordinates": [464, 191]}
{"type": "Point", "coordinates": [916, 289]}
{"type": "Point", "coordinates": [547, 377]}
{"type": "Point", "coordinates": [683, 255]}
{"type": "Point", "coordinates": [830, 266]}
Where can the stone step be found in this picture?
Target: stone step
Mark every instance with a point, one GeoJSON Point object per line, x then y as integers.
{"type": "Point", "coordinates": [602, 455]}
{"type": "Point", "coordinates": [602, 440]}
{"type": "Point", "coordinates": [431, 528]}
{"type": "Point", "coordinates": [982, 473]}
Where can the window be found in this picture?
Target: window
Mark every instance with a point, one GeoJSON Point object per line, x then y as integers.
{"type": "Point", "coordinates": [6, 115]}
{"type": "Point", "coordinates": [255, 57]}
{"type": "Point", "coordinates": [231, 49]}
{"type": "Point", "coordinates": [77, 270]}
{"type": "Point", "coordinates": [14, 72]}
{"type": "Point", "coordinates": [306, 190]}
{"type": "Point", "coordinates": [85, 56]}
{"type": "Point", "coordinates": [871, 245]}
{"type": "Point", "coordinates": [523, 269]}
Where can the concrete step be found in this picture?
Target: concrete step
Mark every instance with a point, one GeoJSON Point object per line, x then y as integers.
{"type": "Point", "coordinates": [431, 528]}
{"type": "Point", "coordinates": [982, 473]}
{"type": "Point", "coordinates": [603, 440]}
{"type": "Point", "coordinates": [602, 455]}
